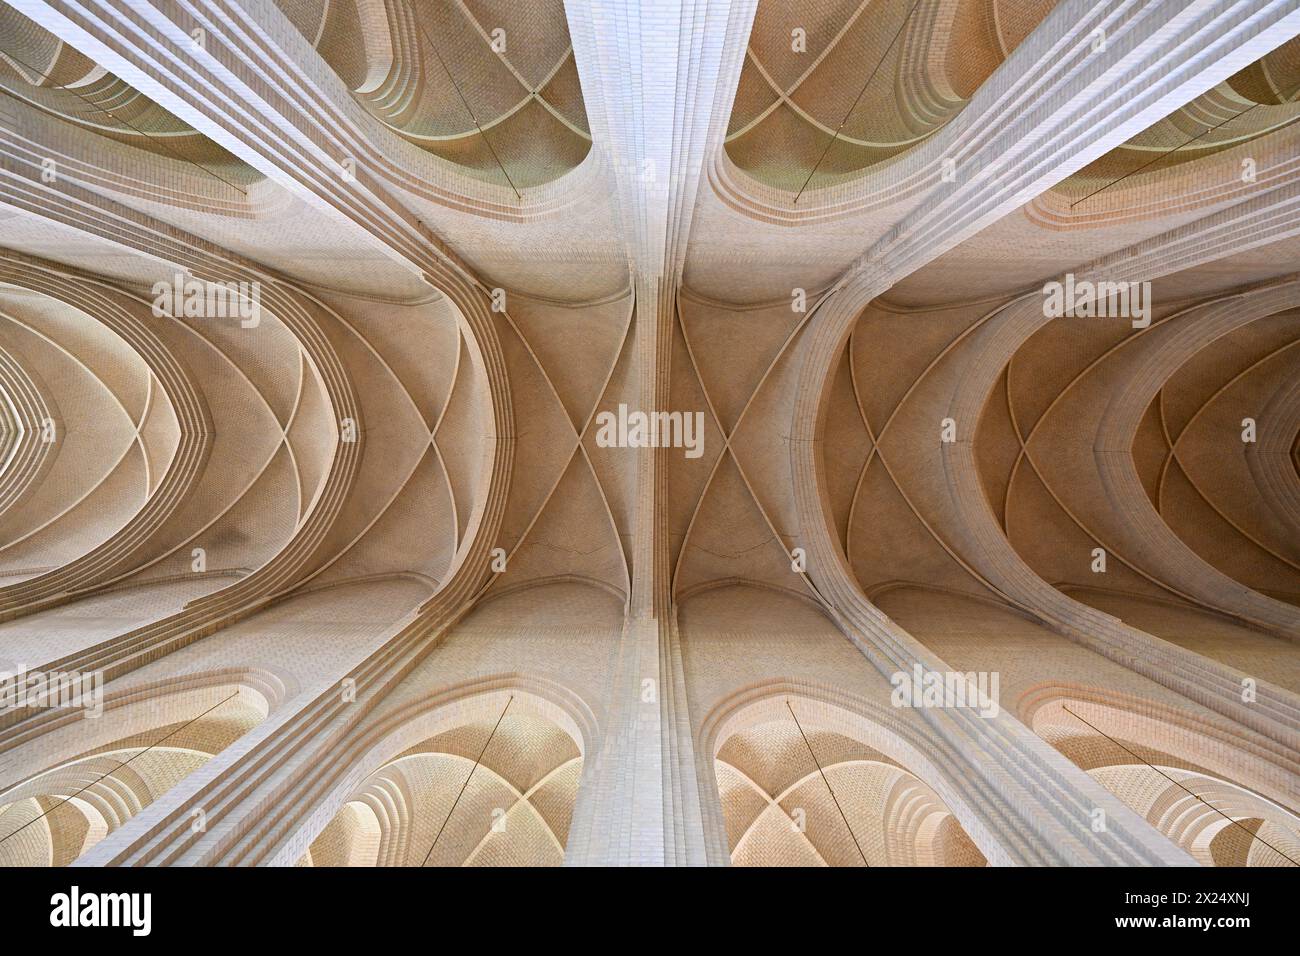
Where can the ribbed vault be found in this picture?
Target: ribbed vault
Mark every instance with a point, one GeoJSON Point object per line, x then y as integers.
{"type": "Point", "coordinates": [829, 89]}
{"type": "Point", "coordinates": [1174, 771]}
{"type": "Point", "coordinates": [54, 816]}
{"type": "Point", "coordinates": [489, 86]}
{"type": "Point", "coordinates": [365, 481]}
{"type": "Point", "coordinates": [795, 798]}
{"type": "Point", "coordinates": [38, 69]}
{"type": "Point", "coordinates": [483, 794]}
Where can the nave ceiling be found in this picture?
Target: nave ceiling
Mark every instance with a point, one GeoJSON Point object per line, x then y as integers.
{"type": "Point", "coordinates": [370, 515]}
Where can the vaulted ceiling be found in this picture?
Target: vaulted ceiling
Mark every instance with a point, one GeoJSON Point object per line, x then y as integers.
{"type": "Point", "coordinates": [456, 239]}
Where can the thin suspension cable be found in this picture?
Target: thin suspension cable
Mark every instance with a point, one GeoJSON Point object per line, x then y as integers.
{"type": "Point", "coordinates": [468, 109]}
{"type": "Point", "coordinates": [828, 785]}
{"type": "Point", "coordinates": [1134, 172]}
{"type": "Point", "coordinates": [107, 112]}
{"type": "Point", "coordinates": [467, 780]}
{"type": "Point", "coordinates": [1205, 132]}
{"type": "Point", "coordinates": [861, 92]}
{"type": "Point", "coordinates": [1177, 784]}
{"type": "Point", "coordinates": [118, 767]}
